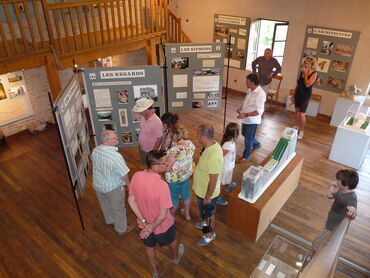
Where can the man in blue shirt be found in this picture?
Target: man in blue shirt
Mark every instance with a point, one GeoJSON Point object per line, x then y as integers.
{"type": "Point", "coordinates": [109, 177]}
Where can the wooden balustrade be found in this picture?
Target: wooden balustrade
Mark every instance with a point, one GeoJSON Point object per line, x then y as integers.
{"type": "Point", "coordinates": [324, 262]}
{"type": "Point", "coordinates": [175, 33]}
{"type": "Point", "coordinates": [29, 26]}
{"type": "Point", "coordinates": [22, 28]}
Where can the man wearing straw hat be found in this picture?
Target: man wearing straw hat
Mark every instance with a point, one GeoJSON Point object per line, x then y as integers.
{"type": "Point", "coordinates": [151, 128]}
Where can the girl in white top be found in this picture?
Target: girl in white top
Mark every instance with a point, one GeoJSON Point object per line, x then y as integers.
{"type": "Point", "coordinates": [229, 150]}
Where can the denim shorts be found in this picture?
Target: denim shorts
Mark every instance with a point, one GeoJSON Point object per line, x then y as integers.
{"type": "Point", "coordinates": [179, 188]}
{"type": "Point", "coordinates": [206, 211]}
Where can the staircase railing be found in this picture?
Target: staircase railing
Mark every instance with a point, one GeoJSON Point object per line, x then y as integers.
{"type": "Point", "coordinates": [27, 26]}
{"type": "Point", "coordinates": [175, 33]}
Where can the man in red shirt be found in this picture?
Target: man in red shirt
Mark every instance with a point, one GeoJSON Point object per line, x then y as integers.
{"type": "Point", "coordinates": [150, 200]}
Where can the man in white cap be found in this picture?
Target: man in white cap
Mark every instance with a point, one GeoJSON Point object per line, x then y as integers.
{"type": "Point", "coordinates": [151, 128]}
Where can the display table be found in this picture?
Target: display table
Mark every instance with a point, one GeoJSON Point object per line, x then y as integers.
{"type": "Point", "coordinates": [253, 219]}
{"type": "Point", "coordinates": [349, 147]}
{"type": "Point", "coordinates": [341, 107]}
{"type": "Point", "coordinates": [283, 259]}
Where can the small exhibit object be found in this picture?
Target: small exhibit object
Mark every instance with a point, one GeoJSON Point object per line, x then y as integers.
{"type": "Point", "coordinates": [353, 131]}
{"type": "Point", "coordinates": [257, 179]}
{"type": "Point", "coordinates": [280, 262]}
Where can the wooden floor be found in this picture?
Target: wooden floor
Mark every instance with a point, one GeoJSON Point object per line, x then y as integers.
{"type": "Point", "coordinates": [41, 236]}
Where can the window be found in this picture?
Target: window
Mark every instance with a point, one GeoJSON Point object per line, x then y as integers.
{"type": "Point", "coordinates": [267, 34]}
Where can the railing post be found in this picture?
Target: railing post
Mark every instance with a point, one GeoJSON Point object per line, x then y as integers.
{"type": "Point", "coordinates": [48, 23]}
{"type": "Point", "coordinates": [166, 15]}
{"type": "Point", "coordinates": [178, 30]}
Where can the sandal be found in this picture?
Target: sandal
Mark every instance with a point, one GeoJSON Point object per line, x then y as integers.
{"type": "Point", "coordinates": [183, 213]}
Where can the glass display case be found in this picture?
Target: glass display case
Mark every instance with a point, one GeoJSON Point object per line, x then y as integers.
{"type": "Point", "coordinates": [283, 259]}
{"type": "Point", "coordinates": [357, 118]}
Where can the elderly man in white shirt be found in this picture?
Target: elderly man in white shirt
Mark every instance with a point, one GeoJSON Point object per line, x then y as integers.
{"type": "Point", "coordinates": [250, 114]}
{"type": "Point", "coordinates": [109, 177]}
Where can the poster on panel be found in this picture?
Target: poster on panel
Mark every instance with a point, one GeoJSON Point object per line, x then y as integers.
{"type": "Point", "coordinates": [112, 93]}
{"type": "Point", "coordinates": [333, 50]}
{"type": "Point", "coordinates": [194, 75]}
{"type": "Point", "coordinates": [14, 101]}
{"type": "Point", "coordinates": [72, 123]}
{"type": "Point", "coordinates": [237, 29]}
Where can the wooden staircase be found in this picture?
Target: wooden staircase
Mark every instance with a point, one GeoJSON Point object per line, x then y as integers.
{"type": "Point", "coordinates": [34, 33]}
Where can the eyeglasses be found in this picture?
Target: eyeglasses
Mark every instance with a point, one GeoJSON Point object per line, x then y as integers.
{"type": "Point", "coordinates": [160, 163]}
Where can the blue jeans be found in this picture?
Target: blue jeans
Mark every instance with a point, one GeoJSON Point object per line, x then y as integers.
{"type": "Point", "coordinates": [249, 132]}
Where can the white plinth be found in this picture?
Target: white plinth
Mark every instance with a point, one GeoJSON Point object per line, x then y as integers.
{"type": "Point", "coordinates": [312, 108]}
{"type": "Point", "coordinates": [341, 107]}
{"type": "Point", "coordinates": [349, 147]}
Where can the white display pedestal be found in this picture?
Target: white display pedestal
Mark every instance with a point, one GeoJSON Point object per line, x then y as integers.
{"type": "Point", "coordinates": [312, 108]}
{"type": "Point", "coordinates": [341, 107]}
{"type": "Point", "coordinates": [349, 147]}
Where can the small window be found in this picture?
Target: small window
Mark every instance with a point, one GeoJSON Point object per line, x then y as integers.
{"type": "Point", "coordinates": [267, 34]}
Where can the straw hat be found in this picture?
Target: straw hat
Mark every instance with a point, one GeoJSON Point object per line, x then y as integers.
{"type": "Point", "coordinates": [142, 104]}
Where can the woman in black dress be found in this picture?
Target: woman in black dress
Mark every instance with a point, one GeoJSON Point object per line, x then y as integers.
{"type": "Point", "coordinates": [303, 93]}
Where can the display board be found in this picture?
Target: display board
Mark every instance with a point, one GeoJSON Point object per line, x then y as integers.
{"type": "Point", "coordinates": [334, 51]}
{"type": "Point", "coordinates": [111, 94]}
{"type": "Point", "coordinates": [72, 123]}
{"type": "Point", "coordinates": [14, 101]}
{"type": "Point", "coordinates": [237, 29]}
{"type": "Point", "coordinates": [194, 75]}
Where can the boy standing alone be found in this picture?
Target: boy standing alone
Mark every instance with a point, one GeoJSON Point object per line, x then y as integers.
{"type": "Point", "coordinates": [345, 203]}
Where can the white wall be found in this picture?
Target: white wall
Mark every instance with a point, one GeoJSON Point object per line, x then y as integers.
{"type": "Point", "coordinates": [197, 22]}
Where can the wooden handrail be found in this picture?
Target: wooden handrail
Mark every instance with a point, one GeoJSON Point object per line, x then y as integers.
{"type": "Point", "coordinates": [324, 262]}
{"type": "Point", "coordinates": [175, 34]}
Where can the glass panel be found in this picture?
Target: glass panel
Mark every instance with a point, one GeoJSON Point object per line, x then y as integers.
{"type": "Point", "coordinates": [281, 32]}
{"type": "Point", "coordinates": [252, 44]}
{"type": "Point", "coordinates": [279, 49]}
{"type": "Point", "coordinates": [283, 259]}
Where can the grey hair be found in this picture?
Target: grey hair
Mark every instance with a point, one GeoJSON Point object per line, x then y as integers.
{"type": "Point", "coordinates": [207, 131]}
{"type": "Point", "coordinates": [105, 135]}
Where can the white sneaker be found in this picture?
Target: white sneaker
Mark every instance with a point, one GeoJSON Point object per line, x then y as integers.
{"type": "Point", "coordinates": [300, 134]}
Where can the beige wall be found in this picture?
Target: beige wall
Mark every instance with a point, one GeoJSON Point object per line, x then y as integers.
{"type": "Point", "coordinates": [340, 14]}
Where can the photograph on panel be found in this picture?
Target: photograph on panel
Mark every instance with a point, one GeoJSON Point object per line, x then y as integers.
{"type": "Point", "coordinates": [344, 49]}
{"type": "Point", "coordinates": [340, 66]}
{"type": "Point", "coordinates": [122, 96]}
{"type": "Point", "coordinates": [221, 30]}
{"type": "Point", "coordinates": [110, 126]}
{"type": "Point", "coordinates": [127, 138]}
{"type": "Point", "coordinates": [312, 42]}
{"type": "Point", "coordinates": [309, 53]}
{"type": "Point", "coordinates": [197, 104]}
{"type": "Point", "coordinates": [104, 115]}
{"type": "Point", "coordinates": [199, 95]}
{"type": "Point", "coordinates": [123, 117]}
{"type": "Point", "coordinates": [335, 82]}
{"type": "Point", "coordinates": [180, 63]}
{"type": "Point", "coordinates": [102, 97]}
{"type": "Point", "coordinates": [327, 47]}
{"type": "Point", "coordinates": [147, 91]}
{"type": "Point", "coordinates": [323, 65]}
{"type": "Point", "coordinates": [213, 103]}
{"type": "Point", "coordinates": [213, 95]}
{"type": "Point", "coordinates": [319, 81]}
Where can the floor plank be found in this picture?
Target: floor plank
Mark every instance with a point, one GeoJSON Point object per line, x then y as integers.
{"type": "Point", "coordinates": [41, 234]}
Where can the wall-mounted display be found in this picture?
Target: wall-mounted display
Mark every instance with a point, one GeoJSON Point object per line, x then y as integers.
{"type": "Point", "coordinates": [72, 123]}
{"type": "Point", "coordinates": [194, 75]}
{"type": "Point", "coordinates": [237, 29]}
{"type": "Point", "coordinates": [14, 101]}
{"type": "Point", "coordinates": [111, 94]}
{"type": "Point", "coordinates": [334, 50]}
